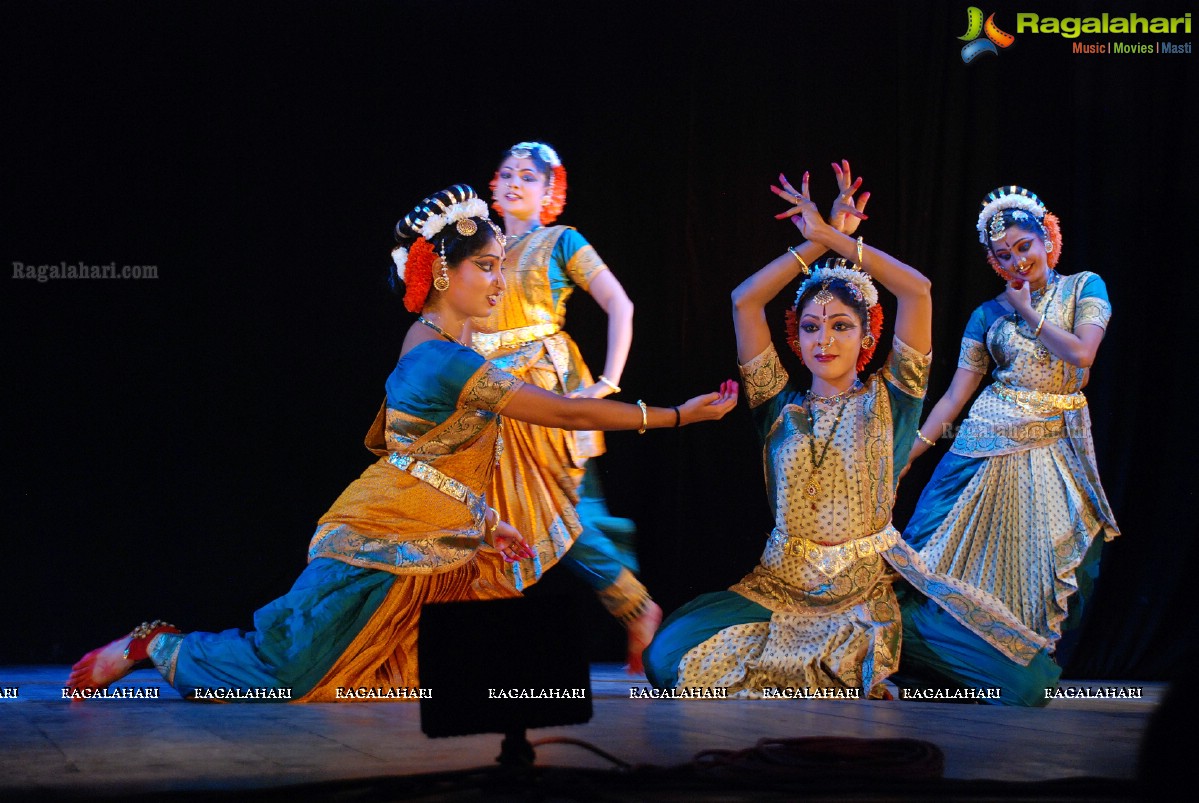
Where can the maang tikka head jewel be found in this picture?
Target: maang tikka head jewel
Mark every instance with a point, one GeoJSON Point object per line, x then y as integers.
{"type": "Point", "coordinates": [1020, 204]}
{"type": "Point", "coordinates": [414, 264]}
{"type": "Point", "coordinates": [859, 283]}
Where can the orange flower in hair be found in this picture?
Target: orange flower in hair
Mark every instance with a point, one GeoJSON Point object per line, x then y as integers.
{"type": "Point", "coordinates": [1053, 227]}
{"type": "Point", "coordinates": [418, 274]}
{"type": "Point", "coordinates": [556, 196]}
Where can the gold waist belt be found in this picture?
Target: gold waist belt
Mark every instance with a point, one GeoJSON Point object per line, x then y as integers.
{"type": "Point", "coordinates": [1037, 400]}
{"type": "Point", "coordinates": [441, 481]}
{"type": "Point", "coordinates": [832, 559]}
{"type": "Point", "coordinates": [487, 342]}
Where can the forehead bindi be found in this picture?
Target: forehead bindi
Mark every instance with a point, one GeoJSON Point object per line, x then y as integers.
{"type": "Point", "coordinates": [1013, 237]}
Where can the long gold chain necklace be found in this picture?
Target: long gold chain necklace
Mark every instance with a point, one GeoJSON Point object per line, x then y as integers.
{"type": "Point", "coordinates": [813, 490]}
{"type": "Point", "coordinates": [439, 330]}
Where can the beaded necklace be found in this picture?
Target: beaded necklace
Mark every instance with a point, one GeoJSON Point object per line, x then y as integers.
{"type": "Point", "coordinates": [813, 490]}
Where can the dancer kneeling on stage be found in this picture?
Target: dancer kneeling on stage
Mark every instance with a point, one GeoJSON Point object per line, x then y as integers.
{"type": "Point", "coordinates": [415, 527]}
{"type": "Point", "coordinates": [1016, 505]}
{"type": "Point", "coordinates": [837, 590]}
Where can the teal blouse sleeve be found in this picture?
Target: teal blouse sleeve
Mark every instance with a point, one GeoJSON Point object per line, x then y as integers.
{"type": "Point", "coordinates": [573, 262]}
{"type": "Point", "coordinates": [428, 380]}
{"type": "Point", "coordinates": [1093, 304]}
{"type": "Point", "coordinates": [906, 378]}
{"type": "Point", "coordinates": [973, 355]}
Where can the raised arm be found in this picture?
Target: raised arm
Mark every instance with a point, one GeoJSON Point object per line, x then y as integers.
{"type": "Point", "coordinates": [911, 288]}
{"type": "Point", "coordinates": [752, 295]}
{"type": "Point", "coordinates": [537, 406]}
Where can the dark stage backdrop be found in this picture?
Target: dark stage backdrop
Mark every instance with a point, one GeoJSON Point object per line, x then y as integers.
{"type": "Point", "coordinates": [170, 443]}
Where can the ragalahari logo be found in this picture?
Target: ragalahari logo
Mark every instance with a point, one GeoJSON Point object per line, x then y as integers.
{"type": "Point", "coordinates": [977, 43]}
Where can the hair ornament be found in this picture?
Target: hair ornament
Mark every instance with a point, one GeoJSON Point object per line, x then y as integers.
{"type": "Point", "coordinates": [524, 150]}
{"type": "Point", "coordinates": [455, 213]}
{"type": "Point", "coordinates": [414, 262]}
{"type": "Point", "coordinates": [859, 283]}
{"type": "Point", "coordinates": [1022, 204]}
{"type": "Point", "coordinates": [1001, 199]}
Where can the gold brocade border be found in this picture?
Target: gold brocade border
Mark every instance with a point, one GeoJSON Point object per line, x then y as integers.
{"type": "Point", "coordinates": [488, 389]}
{"type": "Point", "coordinates": [764, 376]}
{"type": "Point", "coordinates": [584, 265]}
{"type": "Point", "coordinates": [975, 609]}
{"type": "Point", "coordinates": [974, 357]}
{"type": "Point", "coordinates": [415, 556]}
{"type": "Point", "coordinates": [849, 588]}
{"type": "Point", "coordinates": [487, 342]}
{"type": "Point", "coordinates": [907, 369]}
{"type": "Point", "coordinates": [446, 484]}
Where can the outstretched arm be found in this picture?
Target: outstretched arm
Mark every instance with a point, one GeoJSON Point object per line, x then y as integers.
{"type": "Point", "coordinates": [537, 406]}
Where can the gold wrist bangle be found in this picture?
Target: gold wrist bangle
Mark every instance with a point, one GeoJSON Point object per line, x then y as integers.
{"type": "Point", "coordinates": [615, 388]}
{"type": "Point", "coordinates": [860, 254]}
{"type": "Point", "coordinates": [489, 529]}
{"type": "Point", "coordinates": [920, 435]}
{"type": "Point", "coordinates": [644, 417]}
{"type": "Point", "coordinates": [803, 266]}
{"type": "Point", "coordinates": [1037, 331]}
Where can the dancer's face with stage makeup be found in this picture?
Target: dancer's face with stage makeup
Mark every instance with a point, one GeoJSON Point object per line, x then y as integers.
{"type": "Point", "coordinates": [830, 338]}
{"type": "Point", "coordinates": [520, 188]}
{"type": "Point", "coordinates": [476, 283]}
{"type": "Point", "coordinates": [1021, 253]}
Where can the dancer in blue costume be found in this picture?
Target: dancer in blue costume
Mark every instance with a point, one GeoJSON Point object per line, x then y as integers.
{"type": "Point", "coordinates": [1015, 505]}
{"type": "Point", "coordinates": [416, 527]}
{"type": "Point", "coordinates": [838, 601]}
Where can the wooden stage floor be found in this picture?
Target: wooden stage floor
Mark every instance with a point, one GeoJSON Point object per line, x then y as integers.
{"type": "Point", "coordinates": [51, 748]}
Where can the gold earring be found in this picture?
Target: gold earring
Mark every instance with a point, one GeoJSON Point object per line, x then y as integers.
{"type": "Point", "coordinates": [442, 280]}
{"type": "Point", "coordinates": [868, 342]}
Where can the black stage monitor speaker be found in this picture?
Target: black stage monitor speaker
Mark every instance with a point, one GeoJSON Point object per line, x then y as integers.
{"type": "Point", "coordinates": [501, 666]}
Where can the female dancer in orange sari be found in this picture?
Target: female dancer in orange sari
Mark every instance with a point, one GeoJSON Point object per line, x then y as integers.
{"type": "Point", "coordinates": [416, 527]}
{"type": "Point", "coordinates": [540, 476]}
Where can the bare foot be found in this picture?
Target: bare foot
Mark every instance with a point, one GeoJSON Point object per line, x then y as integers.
{"type": "Point", "coordinates": [641, 633]}
{"type": "Point", "coordinates": [101, 667]}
